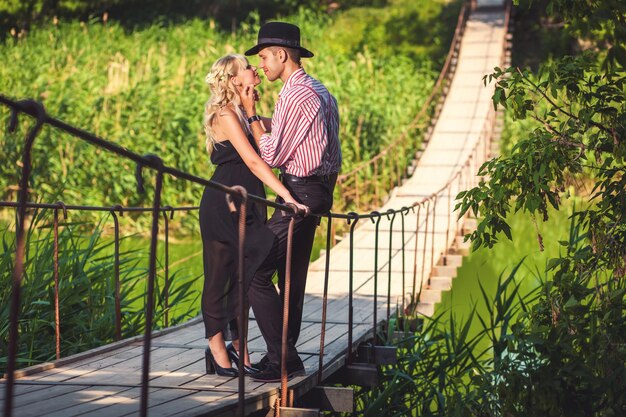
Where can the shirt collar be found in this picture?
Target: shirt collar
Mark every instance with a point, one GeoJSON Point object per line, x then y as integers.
{"type": "Point", "coordinates": [293, 79]}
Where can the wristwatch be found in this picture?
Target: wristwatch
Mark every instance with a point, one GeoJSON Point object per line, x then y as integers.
{"type": "Point", "coordinates": [254, 118]}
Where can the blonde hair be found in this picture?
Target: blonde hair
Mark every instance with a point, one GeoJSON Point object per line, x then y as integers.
{"type": "Point", "coordinates": [223, 92]}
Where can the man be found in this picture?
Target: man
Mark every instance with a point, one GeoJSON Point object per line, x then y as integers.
{"type": "Point", "coordinates": [303, 143]}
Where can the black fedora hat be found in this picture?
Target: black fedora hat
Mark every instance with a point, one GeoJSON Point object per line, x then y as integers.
{"type": "Point", "coordinates": [279, 34]}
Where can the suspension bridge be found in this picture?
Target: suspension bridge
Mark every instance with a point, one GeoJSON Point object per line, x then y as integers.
{"type": "Point", "coordinates": [397, 259]}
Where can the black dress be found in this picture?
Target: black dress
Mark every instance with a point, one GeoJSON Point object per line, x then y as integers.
{"type": "Point", "coordinates": [219, 228]}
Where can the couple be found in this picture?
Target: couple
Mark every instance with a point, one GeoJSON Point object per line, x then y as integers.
{"type": "Point", "coordinates": [301, 139]}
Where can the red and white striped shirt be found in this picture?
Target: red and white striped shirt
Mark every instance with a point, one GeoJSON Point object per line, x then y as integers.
{"type": "Point", "coordinates": [305, 129]}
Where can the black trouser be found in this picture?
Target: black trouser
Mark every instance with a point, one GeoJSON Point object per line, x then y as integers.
{"type": "Point", "coordinates": [267, 304]}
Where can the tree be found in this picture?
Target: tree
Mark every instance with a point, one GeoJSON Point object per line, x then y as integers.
{"type": "Point", "coordinates": [567, 354]}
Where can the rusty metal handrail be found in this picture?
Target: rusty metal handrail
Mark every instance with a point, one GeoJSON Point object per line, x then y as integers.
{"type": "Point", "coordinates": [156, 210]}
{"type": "Point", "coordinates": [36, 110]}
{"type": "Point", "coordinates": [168, 214]}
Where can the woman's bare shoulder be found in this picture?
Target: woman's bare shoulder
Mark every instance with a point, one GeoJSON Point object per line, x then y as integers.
{"type": "Point", "coordinates": [226, 112]}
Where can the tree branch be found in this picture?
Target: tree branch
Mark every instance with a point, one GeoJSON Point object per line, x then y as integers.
{"type": "Point", "coordinates": [544, 95]}
{"type": "Point", "coordinates": [563, 137]}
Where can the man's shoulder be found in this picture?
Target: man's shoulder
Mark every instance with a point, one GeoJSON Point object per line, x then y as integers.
{"type": "Point", "coordinates": [302, 91]}
{"type": "Point", "coordinates": [316, 84]}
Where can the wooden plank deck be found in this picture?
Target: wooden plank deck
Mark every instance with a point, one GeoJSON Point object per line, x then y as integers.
{"type": "Point", "coordinates": [106, 381]}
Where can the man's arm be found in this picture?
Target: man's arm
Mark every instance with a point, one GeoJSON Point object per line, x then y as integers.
{"type": "Point", "coordinates": [267, 124]}
{"type": "Point", "coordinates": [257, 127]}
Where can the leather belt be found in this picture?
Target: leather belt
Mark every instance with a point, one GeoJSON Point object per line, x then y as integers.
{"type": "Point", "coordinates": [310, 178]}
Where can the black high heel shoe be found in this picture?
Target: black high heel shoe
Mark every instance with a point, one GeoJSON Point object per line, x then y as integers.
{"type": "Point", "coordinates": [212, 367]}
{"type": "Point", "coordinates": [234, 358]}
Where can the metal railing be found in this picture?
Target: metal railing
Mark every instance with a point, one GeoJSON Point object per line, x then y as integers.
{"type": "Point", "coordinates": [114, 211]}
{"type": "Point", "coordinates": [426, 205]}
{"type": "Point", "coordinates": [36, 110]}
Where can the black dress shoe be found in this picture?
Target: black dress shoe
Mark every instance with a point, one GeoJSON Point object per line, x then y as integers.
{"type": "Point", "coordinates": [233, 355]}
{"type": "Point", "coordinates": [213, 368]}
{"type": "Point", "coordinates": [271, 372]}
{"type": "Point", "coordinates": [260, 365]}
{"type": "Point", "coordinates": [295, 367]}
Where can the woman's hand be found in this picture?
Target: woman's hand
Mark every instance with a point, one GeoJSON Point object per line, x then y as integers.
{"type": "Point", "coordinates": [248, 97]}
{"type": "Point", "coordinates": [299, 206]}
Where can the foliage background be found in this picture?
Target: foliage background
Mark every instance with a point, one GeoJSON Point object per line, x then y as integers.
{"type": "Point", "coordinates": [563, 353]}
{"type": "Point", "coordinates": [142, 88]}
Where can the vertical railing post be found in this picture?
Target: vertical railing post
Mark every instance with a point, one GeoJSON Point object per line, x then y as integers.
{"type": "Point", "coordinates": [403, 212]}
{"type": "Point", "coordinates": [145, 371]}
{"type": "Point", "coordinates": [417, 227]}
{"type": "Point", "coordinates": [434, 231]}
{"type": "Point", "coordinates": [445, 257]}
{"type": "Point", "coordinates": [352, 221]}
{"type": "Point", "coordinates": [284, 395]}
{"type": "Point", "coordinates": [116, 260]}
{"type": "Point", "coordinates": [18, 270]}
{"type": "Point", "coordinates": [393, 217]}
{"type": "Point", "coordinates": [375, 312]}
{"type": "Point", "coordinates": [242, 325]}
{"type": "Point", "coordinates": [57, 316]}
{"type": "Point", "coordinates": [166, 283]}
{"type": "Point", "coordinates": [325, 298]}
{"type": "Point", "coordinates": [57, 321]}
{"type": "Point", "coordinates": [425, 241]}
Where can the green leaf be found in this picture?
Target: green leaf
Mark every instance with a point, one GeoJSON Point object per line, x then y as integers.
{"type": "Point", "coordinates": [572, 302]}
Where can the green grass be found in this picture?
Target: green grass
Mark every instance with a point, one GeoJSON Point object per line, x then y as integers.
{"type": "Point", "coordinates": [448, 364]}
{"type": "Point", "coordinates": [485, 267]}
{"type": "Point", "coordinates": [185, 260]}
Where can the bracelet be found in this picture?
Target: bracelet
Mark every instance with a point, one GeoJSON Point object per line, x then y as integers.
{"type": "Point", "coordinates": [254, 118]}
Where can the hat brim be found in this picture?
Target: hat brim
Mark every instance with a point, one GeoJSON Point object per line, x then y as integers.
{"type": "Point", "coordinates": [304, 53]}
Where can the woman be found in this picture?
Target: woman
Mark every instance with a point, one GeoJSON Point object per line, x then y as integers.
{"type": "Point", "coordinates": [233, 150]}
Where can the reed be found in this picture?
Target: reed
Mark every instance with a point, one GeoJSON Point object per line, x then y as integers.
{"type": "Point", "coordinates": [86, 290]}
{"type": "Point", "coordinates": [145, 91]}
